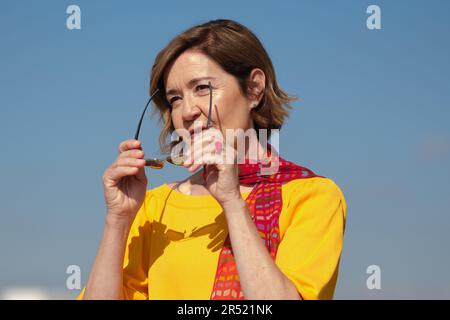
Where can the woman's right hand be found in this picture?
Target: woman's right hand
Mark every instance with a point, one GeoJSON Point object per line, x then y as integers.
{"type": "Point", "coordinates": [125, 182]}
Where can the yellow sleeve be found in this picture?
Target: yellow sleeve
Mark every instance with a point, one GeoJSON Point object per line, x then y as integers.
{"type": "Point", "coordinates": [137, 254]}
{"type": "Point", "coordinates": [310, 249]}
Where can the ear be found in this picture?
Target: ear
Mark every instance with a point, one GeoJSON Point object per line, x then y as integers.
{"type": "Point", "coordinates": [257, 84]}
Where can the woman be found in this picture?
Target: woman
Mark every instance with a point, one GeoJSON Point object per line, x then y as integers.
{"type": "Point", "coordinates": [200, 238]}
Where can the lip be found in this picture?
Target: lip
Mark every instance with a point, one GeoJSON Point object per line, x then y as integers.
{"type": "Point", "coordinates": [193, 130]}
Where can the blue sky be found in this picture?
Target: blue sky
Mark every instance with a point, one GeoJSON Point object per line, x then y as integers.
{"type": "Point", "coordinates": [373, 115]}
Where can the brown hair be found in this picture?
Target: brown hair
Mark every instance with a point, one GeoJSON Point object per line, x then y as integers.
{"type": "Point", "coordinates": [238, 51]}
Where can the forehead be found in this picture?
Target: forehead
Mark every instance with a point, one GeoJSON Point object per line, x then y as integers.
{"type": "Point", "coordinates": [189, 65]}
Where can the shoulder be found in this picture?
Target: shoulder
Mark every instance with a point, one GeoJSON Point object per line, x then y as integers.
{"type": "Point", "coordinates": [316, 186]}
{"type": "Point", "coordinates": [315, 204]}
{"type": "Point", "coordinates": [314, 197]}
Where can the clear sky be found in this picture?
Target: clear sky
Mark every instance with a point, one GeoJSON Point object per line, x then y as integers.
{"type": "Point", "coordinates": [373, 115]}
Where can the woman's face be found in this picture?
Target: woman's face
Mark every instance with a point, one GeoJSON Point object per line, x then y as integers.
{"type": "Point", "coordinates": [187, 91]}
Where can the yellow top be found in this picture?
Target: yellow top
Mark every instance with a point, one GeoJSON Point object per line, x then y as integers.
{"type": "Point", "coordinates": [175, 240]}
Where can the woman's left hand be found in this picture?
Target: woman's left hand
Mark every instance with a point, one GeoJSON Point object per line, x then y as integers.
{"type": "Point", "coordinates": [219, 160]}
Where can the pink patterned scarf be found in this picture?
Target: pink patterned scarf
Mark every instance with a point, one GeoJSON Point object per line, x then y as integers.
{"type": "Point", "coordinates": [264, 203]}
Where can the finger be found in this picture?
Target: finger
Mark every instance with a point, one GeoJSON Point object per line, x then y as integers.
{"type": "Point", "coordinates": [211, 163]}
{"type": "Point", "coordinates": [202, 151]}
{"type": "Point", "coordinates": [212, 132]}
{"type": "Point", "coordinates": [134, 153]}
{"type": "Point", "coordinates": [199, 153]}
{"type": "Point", "coordinates": [130, 162]}
{"type": "Point", "coordinates": [117, 173]}
{"type": "Point", "coordinates": [197, 148]}
{"type": "Point", "coordinates": [228, 153]}
{"type": "Point", "coordinates": [129, 144]}
{"type": "Point", "coordinates": [206, 135]}
{"type": "Point", "coordinates": [209, 136]}
{"type": "Point", "coordinates": [209, 159]}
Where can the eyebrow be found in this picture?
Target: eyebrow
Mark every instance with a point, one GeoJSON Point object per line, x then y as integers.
{"type": "Point", "coordinates": [191, 83]}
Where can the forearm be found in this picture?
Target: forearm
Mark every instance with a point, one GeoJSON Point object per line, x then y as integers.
{"type": "Point", "coordinates": [106, 278]}
{"type": "Point", "coordinates": [259, 276]}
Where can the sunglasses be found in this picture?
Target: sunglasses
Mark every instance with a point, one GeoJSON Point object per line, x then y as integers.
{"type": "Point", "coordinates": [158, 163]}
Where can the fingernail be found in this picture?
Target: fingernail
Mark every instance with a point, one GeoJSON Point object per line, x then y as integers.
{"type": "Point", "coordinates": [218, 147]}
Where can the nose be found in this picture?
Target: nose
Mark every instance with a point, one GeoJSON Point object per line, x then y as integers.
{"type": "Point", "coordinates": [191, 111]}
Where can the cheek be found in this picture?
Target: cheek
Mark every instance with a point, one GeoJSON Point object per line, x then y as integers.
{"type": "Point", "coordinates": [176, 119]}
{"type": "Point", "coordinates": [233, 112]}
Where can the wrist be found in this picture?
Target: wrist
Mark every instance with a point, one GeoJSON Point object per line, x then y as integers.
{"type": "Point", "coordinates": [234, 204]}
{"type": "Point", "coordinates": [116, 221]}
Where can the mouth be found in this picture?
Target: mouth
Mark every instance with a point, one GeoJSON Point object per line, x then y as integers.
{"type": "Point", "coordinates": [196, 130]}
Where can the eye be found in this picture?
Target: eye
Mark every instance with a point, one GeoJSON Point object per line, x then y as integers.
{"type": "Point", "coordinates": [202, 87]}
{"type": "Point", "coordinates": [173, 99]}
